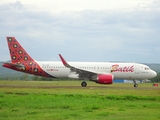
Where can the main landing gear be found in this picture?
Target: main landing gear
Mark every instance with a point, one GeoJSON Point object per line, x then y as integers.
{"type": "Point", "coordinates": [135, 84]}
{"type": "Point", "coordinates": [83, 84]}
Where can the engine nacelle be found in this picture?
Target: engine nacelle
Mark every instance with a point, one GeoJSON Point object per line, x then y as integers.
{"type": "Point", "coordinates": [105, 79]}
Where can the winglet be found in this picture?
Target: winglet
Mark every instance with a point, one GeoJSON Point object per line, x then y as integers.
{"type": "Point", "coordinates": [63, 61]}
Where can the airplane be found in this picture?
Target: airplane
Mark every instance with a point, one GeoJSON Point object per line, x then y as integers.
{"type": "Point", "coordinates": [98, 72]}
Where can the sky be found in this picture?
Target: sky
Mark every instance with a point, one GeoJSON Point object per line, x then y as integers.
{"type": "Point", "coordinates": [83, 30]}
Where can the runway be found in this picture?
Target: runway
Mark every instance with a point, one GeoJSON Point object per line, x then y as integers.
{"type": "Point", "coordinates": [78, 87]}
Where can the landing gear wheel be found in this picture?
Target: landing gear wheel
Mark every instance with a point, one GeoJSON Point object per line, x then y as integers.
{"type": "Point", "coordinates": [135, 85]}
{"type": "Point", "coordinates": [83, 84]}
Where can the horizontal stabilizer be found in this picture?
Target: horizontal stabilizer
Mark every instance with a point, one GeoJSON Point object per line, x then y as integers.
{"type": "Point", "coordinates": [19, 66]}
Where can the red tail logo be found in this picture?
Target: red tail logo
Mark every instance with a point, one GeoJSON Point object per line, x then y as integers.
{"type": "Point", "coordinates": [17, 52]}
{"type": "Point", "coordinates": [21, 61]}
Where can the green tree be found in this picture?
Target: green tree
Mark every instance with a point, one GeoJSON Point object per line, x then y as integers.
{"type": "Point", "coordinates": [46, 79]}
{"type": "Point", "coordinates": [24, 77]}
{"type": "Point", "coordinates": [35, 78]}
{"type": "Point", "coordinates": [157, 78]}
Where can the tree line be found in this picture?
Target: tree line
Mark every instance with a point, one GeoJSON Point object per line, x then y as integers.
{"type": "Point", "coordinates": [25, 77]}
{"type": "Point", "coordinates": [157, 78]}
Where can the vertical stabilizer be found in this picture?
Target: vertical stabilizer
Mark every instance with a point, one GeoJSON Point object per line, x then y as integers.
{"type": "Point", "coordinates": [21, 60]}
{"type": "Point", "coordinates": [17, 53]}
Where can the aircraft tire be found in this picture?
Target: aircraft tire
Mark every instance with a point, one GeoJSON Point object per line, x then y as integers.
{"type": "Point", "coordinates": [83, 84]}
{"type": "Point", "coordinates": [135, 85]}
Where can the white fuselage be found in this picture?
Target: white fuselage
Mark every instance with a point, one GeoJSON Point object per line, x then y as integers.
{"type": "Point", "coordinates": [129, 71]}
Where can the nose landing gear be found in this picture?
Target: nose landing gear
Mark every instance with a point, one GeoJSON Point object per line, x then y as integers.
{"type": "Point", "coordinates": [135, 84]}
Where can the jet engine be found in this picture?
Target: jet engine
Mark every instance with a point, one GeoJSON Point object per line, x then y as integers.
{"type": "Point", "coordinates": [105, 79]}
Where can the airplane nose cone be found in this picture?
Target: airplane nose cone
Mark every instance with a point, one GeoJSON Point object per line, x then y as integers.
{"type": "Point", "coordinates": [154, 74]}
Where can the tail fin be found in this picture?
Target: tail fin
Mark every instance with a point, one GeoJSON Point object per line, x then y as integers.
{"type": "Point", "coordinates": [21, 60]}
{"type": "Point", "coordinates": [17, 53]}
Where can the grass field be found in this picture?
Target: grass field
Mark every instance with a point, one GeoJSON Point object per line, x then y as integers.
{"type": "Point", "coordinates": [60, 100]}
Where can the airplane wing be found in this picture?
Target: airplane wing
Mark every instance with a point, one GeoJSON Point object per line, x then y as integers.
{"type": "Point", "coordinates": [83, 73]}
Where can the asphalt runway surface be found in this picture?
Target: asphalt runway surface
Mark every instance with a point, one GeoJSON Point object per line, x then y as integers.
{"type": "Point", "coordinates": [78, 87]}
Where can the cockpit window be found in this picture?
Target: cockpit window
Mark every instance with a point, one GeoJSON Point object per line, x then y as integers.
{"type": "Point", "coordinates": [146, 68]}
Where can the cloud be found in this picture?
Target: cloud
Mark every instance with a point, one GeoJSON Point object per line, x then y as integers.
{"type": "Point", "coordinates": [86, 35]}
{"type": "Point", "coordinates": [56, 6]}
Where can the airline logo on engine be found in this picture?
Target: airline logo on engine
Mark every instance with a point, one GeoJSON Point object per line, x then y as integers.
{"type": "Point", "coordinates": [117, 68]}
